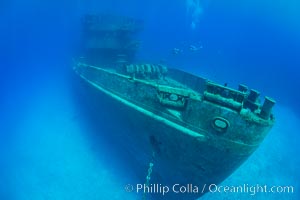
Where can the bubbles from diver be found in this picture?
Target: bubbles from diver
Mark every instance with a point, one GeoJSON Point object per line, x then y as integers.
{"type": "Point", "coordinates": [194, 11]}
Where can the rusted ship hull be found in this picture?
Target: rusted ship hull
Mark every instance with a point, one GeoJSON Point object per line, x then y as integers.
{"type": "Point", "coordinates": [194, 138]}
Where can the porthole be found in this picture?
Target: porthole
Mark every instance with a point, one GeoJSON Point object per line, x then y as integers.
{"type": "Point", "coordinates": [220, 124]}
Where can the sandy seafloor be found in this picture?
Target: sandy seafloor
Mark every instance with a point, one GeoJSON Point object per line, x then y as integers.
{"type": "Point", "coordinates": [51, 155]}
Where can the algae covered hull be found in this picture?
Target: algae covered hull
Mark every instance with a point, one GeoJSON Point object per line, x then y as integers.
{"type": "Point", "coordinates": [194, 130]}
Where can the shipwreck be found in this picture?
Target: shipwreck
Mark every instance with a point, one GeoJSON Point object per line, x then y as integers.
{"type": "Point", "coordinates": [187, 129]}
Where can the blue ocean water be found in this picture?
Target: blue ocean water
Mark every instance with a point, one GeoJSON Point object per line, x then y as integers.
{"type": "Point", "coordinates": [48, 148]}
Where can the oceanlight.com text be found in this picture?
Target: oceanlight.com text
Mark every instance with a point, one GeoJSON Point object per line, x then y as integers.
{"type": "Point", "coordinates": [249, 189]}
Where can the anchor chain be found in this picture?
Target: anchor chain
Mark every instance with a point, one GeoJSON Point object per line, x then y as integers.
{"type": "Point", "coordinates": [149, 172]}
